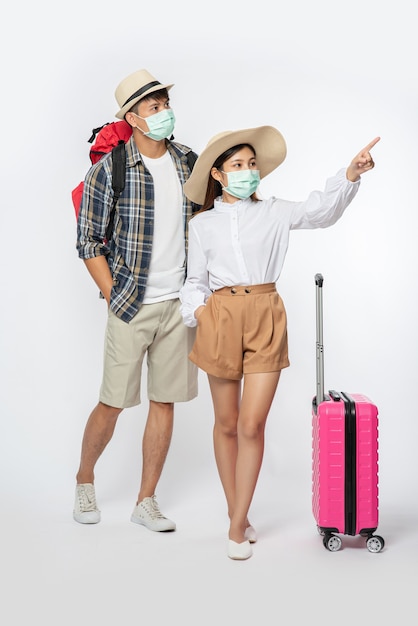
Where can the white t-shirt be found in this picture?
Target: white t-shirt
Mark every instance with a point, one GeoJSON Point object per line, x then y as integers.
{"type": "Point", "coordinates": [167, 266]}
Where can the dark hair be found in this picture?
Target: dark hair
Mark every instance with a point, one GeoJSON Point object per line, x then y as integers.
{"type": "Point", "coordinates": [160, 94]}
{"type": "Point", "coordinates": [214, 188]}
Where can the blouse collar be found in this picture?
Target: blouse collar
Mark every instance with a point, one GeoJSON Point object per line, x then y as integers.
{"type": "Point", "coordinates": [225, 207]}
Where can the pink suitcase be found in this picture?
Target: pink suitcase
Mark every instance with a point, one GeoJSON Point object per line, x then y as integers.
{"type": "Point", "coordinates": [344, 457]}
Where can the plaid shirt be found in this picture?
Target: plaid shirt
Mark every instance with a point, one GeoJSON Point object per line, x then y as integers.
{"type": "Point", "coordinates": [129, 251]}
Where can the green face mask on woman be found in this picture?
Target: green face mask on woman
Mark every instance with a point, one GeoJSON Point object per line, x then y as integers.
{"type": "Point", "coordinates": [242, 184]}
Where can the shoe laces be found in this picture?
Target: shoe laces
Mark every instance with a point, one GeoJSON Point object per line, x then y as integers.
{"type": "Point", "coordinates": [153, 508]}
{"type": "Point", "coordinates": [86, 498]}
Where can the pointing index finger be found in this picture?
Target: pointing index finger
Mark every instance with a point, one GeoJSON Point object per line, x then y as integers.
{"type": "Point", "coordinates": [371, 144]}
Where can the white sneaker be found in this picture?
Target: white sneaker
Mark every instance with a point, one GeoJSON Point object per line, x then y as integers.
{"type": "Point", "coordinates": [85, 506]}
{"type": "Point", "coordinates": [148, 514]}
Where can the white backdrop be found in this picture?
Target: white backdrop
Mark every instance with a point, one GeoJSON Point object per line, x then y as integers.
{"type": "Point", "coordinates": [330, 78]}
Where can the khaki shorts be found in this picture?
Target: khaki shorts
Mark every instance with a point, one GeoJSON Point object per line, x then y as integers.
{"type": "Point", "coordinates": [242, 330]}
{"type": "Point", "coordinates": [158, 330]}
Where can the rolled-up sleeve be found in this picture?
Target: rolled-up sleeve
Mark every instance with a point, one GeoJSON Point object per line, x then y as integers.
{"type": "Point", "coordinates": [94, 213]}
{"type": "Point", "coordinates": [195, 290]}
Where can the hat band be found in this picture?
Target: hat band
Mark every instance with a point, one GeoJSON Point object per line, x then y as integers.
{"type": "Point", "coordinates": [141, 91]}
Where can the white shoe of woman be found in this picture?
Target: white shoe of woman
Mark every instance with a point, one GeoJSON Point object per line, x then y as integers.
{"type": "Point", "coordinates": [250, 534]}
{"type": "Point", "coordinates": [239, 551]}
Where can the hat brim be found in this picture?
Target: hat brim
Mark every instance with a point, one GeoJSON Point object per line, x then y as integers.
{"type": "Point", "coordinates": [123, 111]}
{"type": "Point", "coordinates": [267, 141]}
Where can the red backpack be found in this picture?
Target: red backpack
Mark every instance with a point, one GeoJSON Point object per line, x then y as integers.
{"type": "Point", "coordinates": [105, 139]}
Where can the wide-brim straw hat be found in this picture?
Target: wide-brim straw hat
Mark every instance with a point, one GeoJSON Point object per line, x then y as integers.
{"type": "Point", "coordinates": [267, 141]}
{"type": "Point", "coordinates": [135, 87]}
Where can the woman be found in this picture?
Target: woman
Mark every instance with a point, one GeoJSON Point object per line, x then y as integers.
{"type": "Point", "coordinates": [237, 246]}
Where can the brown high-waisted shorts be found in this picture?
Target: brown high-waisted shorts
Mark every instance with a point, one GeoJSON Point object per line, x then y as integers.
{"type": "Point", "coordinates": [242, 330]}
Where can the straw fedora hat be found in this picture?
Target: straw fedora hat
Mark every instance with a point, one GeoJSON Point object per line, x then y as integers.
{"type": "Point", "coordinates": [269, 146]}
{"type": "Point", "coordinates": [135, 87]}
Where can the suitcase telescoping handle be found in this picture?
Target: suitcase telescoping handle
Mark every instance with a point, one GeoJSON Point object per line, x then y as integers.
{"type": "Point", "coordinates": [320, 392]}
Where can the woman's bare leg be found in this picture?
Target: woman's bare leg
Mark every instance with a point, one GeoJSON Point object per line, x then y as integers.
{"type": "Point", "coordinates": [258, 394]}
{"type": "Point", "coordinates": [226, 401]}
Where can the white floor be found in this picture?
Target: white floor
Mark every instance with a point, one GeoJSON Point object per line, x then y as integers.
{"type": "Point", "coordinates": [55, 571]}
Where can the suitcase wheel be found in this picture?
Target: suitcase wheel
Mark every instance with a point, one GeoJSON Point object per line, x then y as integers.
{"type": "Point", "coordinates": [375, 543]}
{"type": "Point", "coordinates": [332, 542]}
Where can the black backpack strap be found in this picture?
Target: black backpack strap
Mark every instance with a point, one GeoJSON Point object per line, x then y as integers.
{"type": "Point", "coordinates": [118, 182]}
{"type": "Point", "coordinates": [191, 160]}
{"type": "Point", "coordinates": [95, 132]}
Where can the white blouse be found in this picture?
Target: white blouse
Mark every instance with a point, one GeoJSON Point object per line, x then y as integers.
{"type": "Point", "coordinates": [245, 243]}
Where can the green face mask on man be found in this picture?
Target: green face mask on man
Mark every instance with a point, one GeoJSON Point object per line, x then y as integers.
{"type": "Point", "coordinates": [161, 124]}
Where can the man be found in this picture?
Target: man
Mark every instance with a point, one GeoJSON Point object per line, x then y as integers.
{"type": "Point", "coordinates": [139, 273]}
